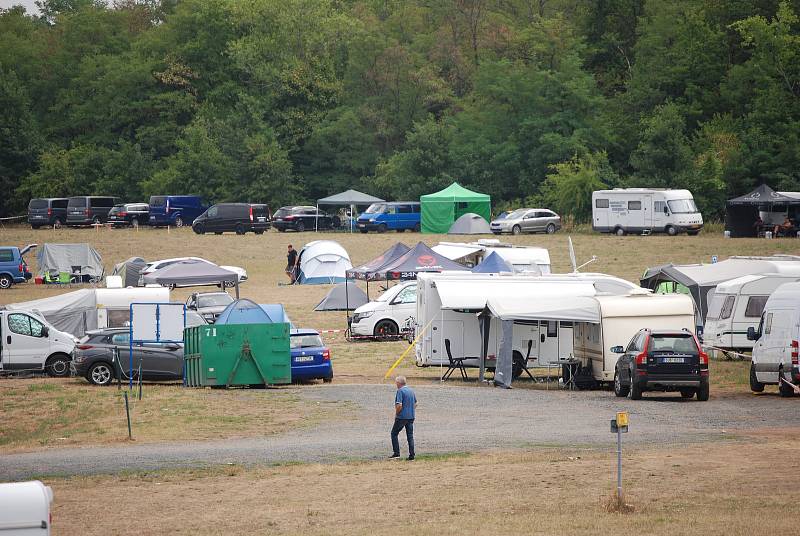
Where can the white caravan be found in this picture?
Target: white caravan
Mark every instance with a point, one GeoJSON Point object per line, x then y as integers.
{"type": "Point", "coordinates": [619, 319]}
{"type": "Point", "coordinates": [645, 211]}
{"type": "Point", "coordinates": [520, 258]}
{"type": "Point", "coordinates": [388, 314]}
{"type": "Point", "coordinates": [113, 304]}
{"type": "Point", "coordinates": [28, 342]}
{"type": "Point", "coordinates": [735, 306]}
{"type": "Point", "coordinates": [448, 303]}
{"type": "Point", "coordinates": [775, 352]}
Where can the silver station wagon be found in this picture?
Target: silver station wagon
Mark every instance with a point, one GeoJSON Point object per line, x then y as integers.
{"type": "Point", "coordinates": [528, 220]}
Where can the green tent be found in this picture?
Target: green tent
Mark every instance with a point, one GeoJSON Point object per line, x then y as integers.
{"type": "Point", "coordinates": [441, 209]}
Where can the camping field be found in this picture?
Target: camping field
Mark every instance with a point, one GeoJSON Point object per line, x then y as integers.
{"type": "Point", "coordinates": [687, 484]}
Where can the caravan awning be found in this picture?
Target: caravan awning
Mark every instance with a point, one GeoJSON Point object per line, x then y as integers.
{"type": "Point", "coordinates": [567, 308]}
{"type": "Point", "coordinates": [474, 295]}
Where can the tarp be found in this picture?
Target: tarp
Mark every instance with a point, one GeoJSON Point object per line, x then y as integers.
{"type": "Point", "coordinates": [191, 273]}
{"type": "Point", "coordinates": [246, 311]}
{"type": "Point", "coordinates": [366, 270]}
{"type": "Point", "coordinates": [68, 257]}
{"type": "Point", "coordinates": [74, 312]}
{"type": "Point", "coordinates": [419, 259]}
{"type": "Point", "coordinates": [473, 295]}
{"type": "Point", "coordinates": [493, 264]}
{"type": "Point", "coordinates": [343, 297]}
{"type": "Point", "coordinates": [323, 262]}
{"type": "Point", "coordinates": [350, 197]}
{"type": "Point", "coordinates": [440, 209]}
{"type": "Point", "coordinates": [470, 224]}
{"type": "Point", "coordinates": [129, 271]}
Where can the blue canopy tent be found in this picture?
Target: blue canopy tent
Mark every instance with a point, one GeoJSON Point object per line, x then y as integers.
{"type": "Point", "coordinates": [493, 264]}
{"type": "Point", "coordinates": [246, 311]}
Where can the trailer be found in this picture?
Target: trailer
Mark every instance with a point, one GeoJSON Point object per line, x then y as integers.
{"type": "Point", "coordinates": [645, 211]}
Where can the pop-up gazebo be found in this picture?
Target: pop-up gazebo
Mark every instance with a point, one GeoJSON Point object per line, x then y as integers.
{"type": "Point", "coordinates": [351, 198]}
{"type": "Point", "coordinates": [741, 212]}
{"type": "Point", "coordinates": [441, 209]}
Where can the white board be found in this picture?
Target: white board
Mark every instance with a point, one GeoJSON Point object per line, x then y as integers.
{"type": "Point", "coordinates": [157, 321]}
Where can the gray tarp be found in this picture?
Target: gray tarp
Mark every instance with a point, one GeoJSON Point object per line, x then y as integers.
{"type": "Point", "coordinates": [73, 312]}
{"type": "Point", "coordinates": [130, 270]}
{"type": "Point", "coordinates": [470, 223]}
{"type": "Point", "coordinates": [191, 273]}
{"type": "Point", "coordinates": [343, 297]}
{"type": "Point", "coordinates": [66, 257]}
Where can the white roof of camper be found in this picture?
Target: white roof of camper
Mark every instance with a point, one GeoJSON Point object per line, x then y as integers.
{"type": "Point", "coordinates": [711, 274]}
{"type": "Point", "coordinates": [767, 283]}
{"type": "Point", "coordinates": [474, 295]}
{"type": "Point", "coordinates": [787, 295]}
{"type": "Point", "coordinates": [645, 305]}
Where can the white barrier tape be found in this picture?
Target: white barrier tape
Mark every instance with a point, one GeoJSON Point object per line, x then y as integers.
{"type": "Point", "coordinates": [13, 218]}
{"type": "Point", "coordinates": [725, 351]}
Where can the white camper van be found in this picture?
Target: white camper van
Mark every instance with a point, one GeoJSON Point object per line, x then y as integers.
{"type": "Point", "coordinates": [775, 352]}
{"type": "Point", "coordinates": [29, 342]}
{"type": "Point", "coordinates": [735, 306]}
{"type": "Point", "coordinates": [388, 314]}
{"type": "Point", "coordinates": [448, 303]}
{"type": "Point", "coordinates": [645, 211]}
{"type": "Point", "coordinates": [619, 319]}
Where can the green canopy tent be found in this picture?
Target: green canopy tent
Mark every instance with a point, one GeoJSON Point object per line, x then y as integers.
{"type": "Point", "coordinates": [441, 209]}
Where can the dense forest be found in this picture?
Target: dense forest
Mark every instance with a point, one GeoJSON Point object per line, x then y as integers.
{"type": "Point", "coordinates": [286, 101]}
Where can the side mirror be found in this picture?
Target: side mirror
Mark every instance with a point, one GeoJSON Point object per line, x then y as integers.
{"type": "Point", "coordinates": [45, 331]}
{"type": "Point", "coordinates": [617, 350]}
{"type": "Point", "coordinates": [751, 334]}
{"type": "Point", "coordinates": [666, 211]}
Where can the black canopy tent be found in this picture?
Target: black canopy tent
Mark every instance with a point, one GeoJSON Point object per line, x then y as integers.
{"type": "Point", "coordinates": [193, 273]}
{"type": "Point", "coordinates": [742, 212]}
{"type": "Point", "coordinates": [420, 258]}
{"type": "Point", "coordinates": [351, 198]}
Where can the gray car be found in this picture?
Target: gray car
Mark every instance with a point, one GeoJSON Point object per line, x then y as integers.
{"type": "Point", "coordinates": [528, 220]}
{"type": "Point", "coordinates": [209, 304]}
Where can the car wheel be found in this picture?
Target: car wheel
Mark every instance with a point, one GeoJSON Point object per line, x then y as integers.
{"type": "Point", "coordinates": [687, 393]}
{"type": "Point", "coordinates": [260, 231]}
{"type": "Point", "coordinates": [100, 374]}
{"type": "Point", "coordinates": [281, 229]}
{"type": "Point", "coordinates": [218, 232]}
{"type": "Point", "coordinates": [400, 230]}
{"type": "Point", "coordinates": [239, 229]}
{"type": "Point", "coordinates": [327, 380]}
{"type": "Point", "coordinates": [58, 223]}
{"type": "Point", "coordinates": [516, 230]}
{"type": "Point", "coordinates": [550, 228]}
{"type": "Point", "coordinates": [382, 228]}
{"type": "Point", "coordinates": [385, 328]}
{"type": "Point", "coordinates": [417, 228]}
{"type": "Point", "coordinates": [199, 229]}
{"type": "Point", "coordinates": [363, 231]}
{"type": "Point", "coordinates": [178, 221]}
{"type": "Point", "coordinates": [619, 231]}
{"type": "Point", "coordinates": [619, 389]}
{"type": "Point", "coordinates": [703, 392]}
{"type": "Point", "coordinates": [6, 281]}
{"type": "Point", "coordinates": [301, 226]}
{"type": "Point", "coordinates": [57, 366]}
{"type": "Point", "coordinates": [635, 390]}
{"type": "Point", "coordinates": [755, 385]}
{"type": "Point", "coordinates": [671, 231]}
{"type": "Point", "coordinates": [783, 388]}
{"type": "Point", "coordinates": [36, 226]}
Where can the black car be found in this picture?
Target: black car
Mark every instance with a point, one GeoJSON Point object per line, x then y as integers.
{"type": "Point", "coordinates": [89, 209]}
{"type": "Point", "coordinates": [239, 218]}
{"type": "Point", "coordinates": [94, 358]}
{"type": "Point", "coordinates": [129, 214]}
{"type": "Point", "coordinates": [303, 218]}
{"type": "Point", "coordinates": [662, 361]}
{"type": "Point", "coordinates": [47, 211]}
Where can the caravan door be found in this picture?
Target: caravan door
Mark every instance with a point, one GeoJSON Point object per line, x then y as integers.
{"type": "Point", "coordinates": [548, 341]}
{"type": "Point", "coordinates": [647, 211]}
{"type": "Point", "coordinates": [452, 330]}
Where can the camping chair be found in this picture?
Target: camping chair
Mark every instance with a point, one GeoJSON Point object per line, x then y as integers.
{"type": "Point", "coordinates": [522, 363]}
{"type": "Point", "coordinates": [456, 363]}
{"type": "Point", "coordinates": [64, 278]}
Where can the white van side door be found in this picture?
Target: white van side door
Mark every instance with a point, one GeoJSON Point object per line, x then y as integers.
{"type": "Point", "coordinates": [25, 343]}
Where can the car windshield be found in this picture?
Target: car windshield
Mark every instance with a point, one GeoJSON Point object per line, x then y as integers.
{"type": "Point", "coordinates": [682, 206]}
{"type": "Point", "coordinates": [389, 294]}
{"type": "Point", "coordinates": [375, 208]}
{"type": "Point", "coordinates": [38, 203]}
{"type": "Point", "coordinates": [681, 344]}
{"type": "Point", "coordinates": [214, 300]}
{"type": "Point", "coordinates": [305, 341]}
{"type": "Point", "coordinates": [516, 214]}
{"type": "Point", "coordinates": [158, 201]}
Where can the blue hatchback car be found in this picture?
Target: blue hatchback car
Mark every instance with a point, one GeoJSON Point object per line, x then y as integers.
{"type": "Point", "coordinates": [311, 359]}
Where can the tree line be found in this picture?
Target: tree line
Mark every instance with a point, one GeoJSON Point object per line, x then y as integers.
{"type": "Point", "coordinates": [286, 101]}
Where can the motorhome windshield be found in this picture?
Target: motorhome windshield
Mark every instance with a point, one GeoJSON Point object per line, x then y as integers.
{"type": "Point", "coordinates": [376, 208]}
{"type": "Point", "coordinates": [682, 206]}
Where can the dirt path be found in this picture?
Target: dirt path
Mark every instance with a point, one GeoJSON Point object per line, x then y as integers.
{"type": "Point", "coordinates": [449, 419]}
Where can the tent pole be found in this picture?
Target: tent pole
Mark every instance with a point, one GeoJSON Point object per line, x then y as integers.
{"type": "Point", "coordinates": [236, 287]}
{"type": "Point", "coordinates": [316, 219]}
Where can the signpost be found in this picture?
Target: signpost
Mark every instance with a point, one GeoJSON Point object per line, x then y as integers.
{"type": "Point", "coordinates": [619, 425]}
{"type": "Point", "coordinates": [713, 259]}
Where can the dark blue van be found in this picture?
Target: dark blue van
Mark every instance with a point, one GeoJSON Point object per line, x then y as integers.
{"type": "Point", "coordinates": [175, 210]}
{"type": "Point", "coordinates": [13, 268]}
{"type": "Point", "coordinates": [397, 216]}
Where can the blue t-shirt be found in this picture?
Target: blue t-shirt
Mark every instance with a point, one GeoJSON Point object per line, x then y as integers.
{"type": "Point", "coordinates": [405, 395]}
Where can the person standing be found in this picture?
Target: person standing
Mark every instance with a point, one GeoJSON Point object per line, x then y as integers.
{"type": "Point", "coordinates": [291, 264]}
{"type": "Point", "coordinates": [405, 403]}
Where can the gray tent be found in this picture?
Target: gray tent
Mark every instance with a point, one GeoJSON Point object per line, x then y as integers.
{"type": "Point", "coordinates": [73, 312]}
{"type": "Point", "coordinates": [470, 223]}
{"type": "Point", "coordinates": [193, 273]}
{"type": "Point", "coordinates": [352, 199]}
{"type": "Point", "coordinates": [343, 297]}
{"type": "Point", "coordinates": [71, 258]}
{"type": "Point", "coordinates": [130, 271]}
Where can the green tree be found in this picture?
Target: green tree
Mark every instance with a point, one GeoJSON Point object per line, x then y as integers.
{"type": "Point", "coordinates": [569, 186]}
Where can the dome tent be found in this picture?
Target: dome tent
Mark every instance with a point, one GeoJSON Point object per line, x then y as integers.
{"type": "Point", "coordinates": [440, 209]}
{"type": "Point", "coordinates": [470, 223]}
{"type": "Point", "coordinates": [492, 264]}
{"type": "Point", "coordinates": [343, 297]}
{"type": "Point", "coordinates": [246, 311]}
{"type": "Point", "coordinates": [323, 262]}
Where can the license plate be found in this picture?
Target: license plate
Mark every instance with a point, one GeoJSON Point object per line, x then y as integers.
{"type": "Point", "coordinates": [672, 360]}
{"type": "Point", "coordinates": [303, 358]}
{"type": "Point", "coordinates": [260, 219]}
{"type": "Point", "coordinates": [362, 225]}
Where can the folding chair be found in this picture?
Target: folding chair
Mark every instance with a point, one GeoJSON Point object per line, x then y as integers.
{"type": "Point", "coordinates": [522, 363]}
{"type": "Point", "coordinates": [456, 363]}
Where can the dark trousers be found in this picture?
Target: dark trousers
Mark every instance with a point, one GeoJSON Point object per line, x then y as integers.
{"type": "Point", "coordinates": [399, 424]}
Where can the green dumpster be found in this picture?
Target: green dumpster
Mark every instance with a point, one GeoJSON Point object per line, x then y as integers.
{"type": "Point", "coordinates": [237, 354]}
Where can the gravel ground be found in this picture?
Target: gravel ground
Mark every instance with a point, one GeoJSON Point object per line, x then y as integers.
{"type": "Point", "coordinates": [449, 419]}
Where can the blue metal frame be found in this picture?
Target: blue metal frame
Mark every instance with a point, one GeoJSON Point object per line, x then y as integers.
{"type": "Point", "coordinates": [158, 333]}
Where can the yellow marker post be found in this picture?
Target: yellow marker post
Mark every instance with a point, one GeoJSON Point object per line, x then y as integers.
{"type": "Point", "coordinates": [403, 355]}
{"type": "Point", "coordinates": [622, 418]}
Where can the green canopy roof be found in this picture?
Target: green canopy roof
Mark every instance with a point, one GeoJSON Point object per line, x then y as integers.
{"type": "Point", "coordinates": [440, 209]}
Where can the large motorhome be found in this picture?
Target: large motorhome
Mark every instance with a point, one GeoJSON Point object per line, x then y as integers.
{"type": "Point", "coordinates": [737, 305]}
{"type": "Point", "coordinates": [644, 211]}
{"type": "Point", "coordinates": [448, 303]}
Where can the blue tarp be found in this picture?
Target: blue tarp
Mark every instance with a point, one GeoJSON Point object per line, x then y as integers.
{"type": "Point", "coordinates": [493, 264]}
{"type": "Point", "coordinates": [246, 311]}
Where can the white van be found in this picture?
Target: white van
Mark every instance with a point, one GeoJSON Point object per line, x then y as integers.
{"type": "Point", "coordinates": [736, 305]}
{"type": "Point", "coordinates": [645, 211]}
{"type": "Point", "coordinates": [388, 314]}
{"type": "Point", "coordinates": [776, 341]}
{"type": "Point", "coordinates": [29, 342]}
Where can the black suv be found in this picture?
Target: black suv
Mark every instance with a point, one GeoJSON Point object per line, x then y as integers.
{"type": "Point", "coordinates": [133, 214]}
{"type": "Point", "coordinates": [661, 361]}
{"type": "Point", "coordinates": [303, 218]}
{"type": "Point", "coordinates": [94, 358]}
{"type": "Point", "coordinates": [89, 209]}
{"type": "Point", "coordinates": [47, 211]}
{"type": "Point", "coordinates": [238, 218]}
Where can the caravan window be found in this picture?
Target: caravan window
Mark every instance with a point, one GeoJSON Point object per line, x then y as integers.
{"type": "Point", "coordinates": [119, 318]}
{"type": "Point", "coordinates": [659, 206]}
{"type": "Point", "coordinates": [715, 306]}
{"type": "Point", "coordinates": [727, 307]}
{"type": "Point", "coordinates": [755, 306]}
{"type": "Point", "coordinates": [601, 203]}
{"type": "Point", "coordinates": [768, 324]}
{"type": "Point", "coordinates": [634, 205]}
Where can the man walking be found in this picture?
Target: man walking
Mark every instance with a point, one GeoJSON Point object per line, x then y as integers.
{"type": "Point", "coordinates": [405, 401]}
{"type": "Point", "coordinates": [291, 263]}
